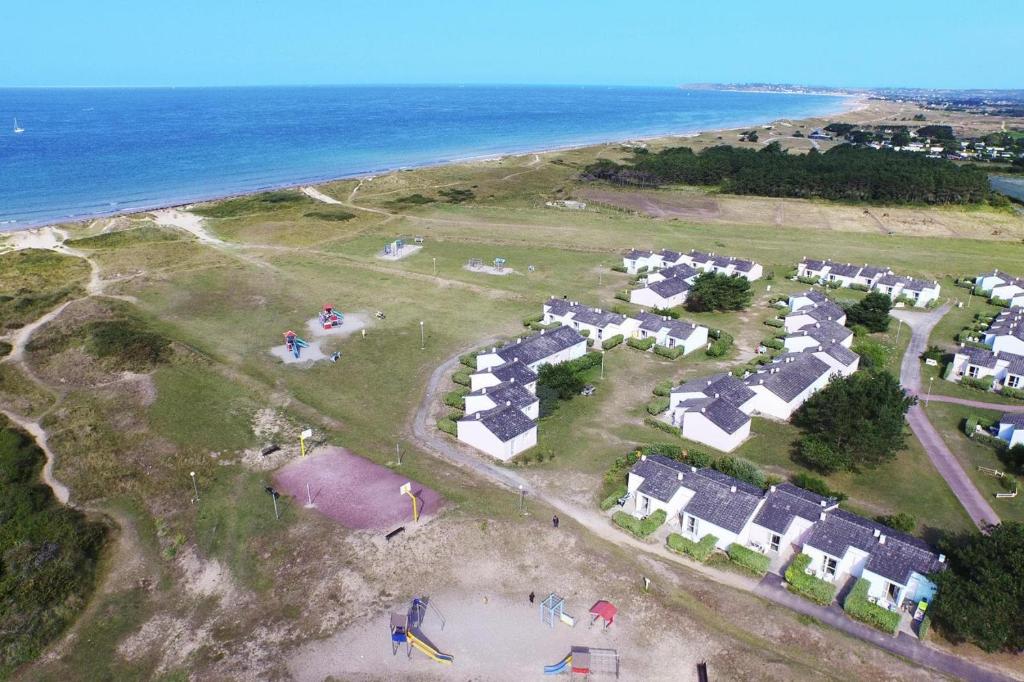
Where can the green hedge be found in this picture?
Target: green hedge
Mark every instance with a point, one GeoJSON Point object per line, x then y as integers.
{"type": "Point", "coordinates": [455, 398]}
{"type": "Point", "coordinates": [720, 346]}
{"type": "Point", "coordinates": [777, 344]}
{"type": "Point", "coordinates": [641, 528]}
{"type": "Point", "coordinates": [619, 268]}
{"type": "Point", "coordinates": [859, 608]}
{"type": "Point", "coordinates": [755, 562]}
{"type": "Point", "coordinates": [658, 405]}
{"type": "Point", "coordinates": [983, 384]}
{"type": "Point", "coordinates": [670, 353]}
{"type": "Point", "coordinates": [469, 360]}
{"type": "Point", "coordinates": [641, 344]}
{"type": "Point", "coordinates": [527, 321]}
{"type": "Point", "coordinates": [461, 377]}
{"type": "Point", "coordinates": [775, 322]}
{"type": "Point", "coordinates": [622, 295]}
{"type": "Point", "coordinates": [815, 589]}
{"type": "Point", "coordinates": [698, 550]}
{"type": "Point", "coordinates": [813, 279]}
{"type": "Point", "coordinates": [613, 499]}
{"type": "Point", "coordinates": [612, 341]}
{"type": "Point", "coordinates": [970, 426]}
{"type": "Point", "coordinates": [859, 287]}
{"type": "Point", "coordinates": [1015, 393]}
{"type": "Point", "coordinates": [923, 627]}
{"type": "Point", "coordinates": [663, 388]}
{"type": "Point", "coordinates": [448, 426]}
{"type": "Point", "coordinates": [664, 426]}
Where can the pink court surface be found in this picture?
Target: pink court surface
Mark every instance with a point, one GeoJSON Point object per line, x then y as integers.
{"type": "Point", "coordinates": [354, 491]}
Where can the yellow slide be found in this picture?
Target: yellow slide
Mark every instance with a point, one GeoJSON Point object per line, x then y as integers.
{"type": "Point", "coordinates": [432, 653]}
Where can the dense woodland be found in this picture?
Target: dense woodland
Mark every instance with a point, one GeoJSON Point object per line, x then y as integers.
{"type": "Point", "coordinates": [844, 173]}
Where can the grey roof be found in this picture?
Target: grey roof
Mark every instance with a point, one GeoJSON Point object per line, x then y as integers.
{"type": "Point", "coordinates": [1015, 363]}
{"type": "Point", "coordinates": [891, 280]}
{"type": "Point", "coordinates": [839, 352]}
{"type": "Point", "coordinates": [790, 375]}
{"type": "Point", "coordinates": [597, 317]}
{"type": "Point", "coordinates": [677, 329]}
{"type": "Point", "coordinates": [786, 502]}
{"type": "Point", "coordinates": [812, 264]}
{"type": "Point", "coordinates": [841, 530]}
{"type": "Point", "coordinates": [661, 476]}
{"type": "Point", "coordinates": [900, 556]}
{"type": "Point", "coordinates": [515, 370]}
{"type": "Point", "coordinates": [504, 421]}
{"type": "Point", "coordinates": [540, 345]}
{"type": "Point", "coordinates": [679, 270]}
{"type": "Point", "coordinates": [669, 255]}
{"type": "Point", "coordinates": [722, 385]}
{"type": "Point", "coordinates": [844, 269]}
{"type": "Point", "coordinates": [982, 357]}
{"type": "Point", "coordinates": [558, 306]}
{"type": "Point", "coordinates": [634, 254]}
{"type": "Point", "coordinates": [669, 287]}
{"type": "Point", "coordinates": [719, 412]}
{"type": "Point", "coordinates": [699, 256]}
{"type": "Point", "coordinates": [814, 296]}
{"type": "Point", "coordinates": [1016, 419]}
{"type": "Point", "coordinates": [872, 271]}
{"type": "Point", "coordinates": [825, 332]}
{"type": "Point", "coordinates": [715, 501]}
{"type": "Point", "coordinates": [508, 392]}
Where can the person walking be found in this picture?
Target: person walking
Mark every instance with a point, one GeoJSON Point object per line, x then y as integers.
{"type": "Point", "coordinates": [532, 597]}
{"type": "Point", "coordinates": [554, 521]}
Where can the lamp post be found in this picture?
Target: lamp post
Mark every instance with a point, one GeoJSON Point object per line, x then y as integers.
{"type": "Point", "coordinates": [274, 495]}
{"type": "Point", "coordinates": [423, 339]}
{"type": "Point", "coordinates": [195, 486]}
{"type": "Point", "coordinates": [435, 266]}
{"type": "Point", "coordinates": [602, 365]}
{"type": "Point", "coordinates": [929, 396]}
{"type": "Point", "coordinates": [899, 328]}
{"type": "Point", "coordinates": [522, 498]}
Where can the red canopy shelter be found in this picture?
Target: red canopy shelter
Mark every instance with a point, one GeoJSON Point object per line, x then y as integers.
{"type": "Point", "coordinates": [604, 610]}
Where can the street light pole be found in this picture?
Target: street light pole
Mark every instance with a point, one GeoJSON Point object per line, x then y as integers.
{"type": "Point", "coordinates": [195, 486]}
{"type": "Point", "coordinates": [522, 498]}
{"type": "Point", "coordinates": [602, 365]}
{"type": "Point", "coordinates": [423, 339]}
{"type": "Point", "coordinates": [435, 266]}
{"type": "Point", "coordinates": [899, 328]}
{"type": "Point", "coordinates": [929, 397]}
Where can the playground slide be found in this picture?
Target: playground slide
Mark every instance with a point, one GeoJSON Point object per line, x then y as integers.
{"type": "Point", "coordinates": [559, 667]}
{"type": "Point", "coordinates": [432, 653]}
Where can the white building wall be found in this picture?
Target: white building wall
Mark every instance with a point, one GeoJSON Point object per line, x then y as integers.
{"type": "Point", "coordinates": [987, 282]}
{"type": "Point", "coordinates": [771, 405]}
{"type": "Point", "coordinates": [697, 340]}
{"type": "Point", "coordinates": [1008, 344]}
{"type": "Point", "coordinates": [1011, 435]}
{"type": "Point", "coordinates": [798, 344]}
{"type": "Point", "coordinates": [477, 435]}
{"type": "Point", "coordinates": [695, 426]}
{"type": "Point", "coordinates": [794, 321]}
{"type": "Point", "coordinates": [917, 588]}
{"type": "Point", "coordinates": [649, 299]}
{"type": "Point", "coordinates": [725, 537]}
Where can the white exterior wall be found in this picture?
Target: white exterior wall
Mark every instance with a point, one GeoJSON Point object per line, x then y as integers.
{"type": "Point", "coordinates": [646, 505]}
{"type": "Point", "coordinates": [1006, 291]}
{"type": "Point", "coordinates": [852, 563]}
{"type": "Point", "coordinates": [987, 282]}
{"type": "Point", "coordinates": [725, 537]}
{"type": "Point", "coordinates": [1011, 435]}
{"type": "Point", "coordinates": [649, 299]}
{"type": "Point", "coordinates": [474, 433]}
{"type": "Point", "coordinates": [799, 343]}
{"type": "Point", "coordinates": [488, 359]}
{"type": "Point", "coordinates": [571, 353]}
{"type": "Point", "coordinates": [797, 302]}
{"type": "Point", "coordinates": [794, 535]}
{"type": "Point", "coordinates": [767, 403]}
{"type": "Point", "coordinates": [836, 366]}
{"type": "Point", "coordinates": [480, 380]}
{"type": "Point", "coordinates": [795, 321]}
{"type": "Point", "coordinates": [1008, 344]}
{"type": "Point", "coordinates": [697, 340]}
{"type": "Point", "coordinates": [482, 403]}
{"type": "Point", "coordinates": [695, 426]}
{"type": "Point", "coordinates": [843, 280]}
{"type": "Point", "coordinates": [1017, 301]}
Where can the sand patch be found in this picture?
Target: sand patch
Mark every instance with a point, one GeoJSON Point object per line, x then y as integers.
{"type": "Point", "coordinates": [407, 250]}
{"type": "Point", "coordinates": [353, 323]}
{"type": "Point", "coordinates": [489, 270]}
{"type": "Point", "coordinates": [190, 222]}
{"type": "Point", "coordinates": [307, 356]}
{"type": "Point", "coordinates": [354, 491]}
{"type": "Point", "coordinates": [314, 193]}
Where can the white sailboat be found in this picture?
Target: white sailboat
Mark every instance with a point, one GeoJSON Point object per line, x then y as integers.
{"type": "Point", "coordinates": [17, 128]}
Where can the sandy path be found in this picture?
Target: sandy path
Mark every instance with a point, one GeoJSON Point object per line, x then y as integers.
{"type": "Point", "coordinates": [190, 222]}
{"type": "Point", "coordinates": [314, 193]}
{"type": "Point", "coordinates": [60, 491]}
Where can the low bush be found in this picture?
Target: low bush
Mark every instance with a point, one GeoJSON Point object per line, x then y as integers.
{"type": "Point", "coordinates": [619, 268]}
{"type": "Point", "coordinates": [815, 485]}
{"type": "Point", "coordinates": [720, 346]}
{"type": "Point", "coordinates": [527, 321]}
{"type": "Point", "coordinates": [983, 384]}
{"type": "Point", "coordinates": [622, 295]}
{"type": "Point", "coordinates": [775, 322]}
{"type": "Point", "coordinates": [1015, 393]}
{"type": "Point", "coordinates": [583, 363]}
{"type": "Point", "coordinates": [741, 469]}
{"type": "Point", "coordinates": [585, 333]}
{"type": "Point", "coordinates": [673, 353]}
{"type": "Point", "coordinates": [900, 521]}
{"type": "Point", "coordinates": [671, 313]}
{"type": "Point", "coordinates": [923, 627]}
{"type": "Point", "coordinates": [813, 279]}
{"type": "Point", "coordinates": [658, 405]}
{"type": "Point", "coordinates": [859, 608]}
{"type": "Point", "coordinates": [469, 360]}
{"type": "Point", "coordinates": [455, 398]}
{"type": "Point", "coordinates": [127, 344]}
{"type": "Point", "coordinates": [933, 353]}
{"type": "Point", "coordinates": [664, 426]}
{"type": "Point", "coordinates": [613, 499]}
{"type": "Point", "coordinates": [612, 341]}
{"type": "Point", "coordinates": [698, 550]}
{"type": "Point", "coordinates": [448, 426]}
{"type": "Point", "coordinates": [1001, 302]}
{"type": "Point", "coordinates": [335, 216]}
{"type": "Point", "coordinates": [859, 287]}
{"type": "Point", "coordinates": [817, 590]}
{"type": "Point", "coordinates": [776, 344]}
{"type": "Point", "coordinates": [641, 344]}
{"type": "Point", "coordinates": [755, 562]}
{"type": "Point", "coordinates": [640, 528]}
{"type": "Point", "coordinates": [970, 425]}
{"type": "Point", "coordinates": [663, 388]}
{"type": "Point", "coordinates": [461, 377]}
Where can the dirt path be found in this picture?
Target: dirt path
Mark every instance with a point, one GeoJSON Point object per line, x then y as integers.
{"type": "Point", "coordinates": [314, 193]}
{"type": "Point", "coordinates": [190, 222]}
{"type": "Point", "coordinates": [427, 436]}
{"type": "Point", "coordinates": [60, 491]}
{"type": "Point", "coordinates": [998, 407]}
{"type": "Point", "coordinates": [942, 458]}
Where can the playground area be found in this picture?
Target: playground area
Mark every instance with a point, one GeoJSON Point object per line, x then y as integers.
{"type": "Point", "coordinates": [309, 353]}
{"type": "Point", "coordinates": [354, 491]}
{"type": "Point", "coordinates": [353, 322]}
{"type": "Point", "coordinates": [497, 267]}
{"type": "Point", "coordinates": [399, 249]}
{"type": "Point", "coordinates": [500, 637]}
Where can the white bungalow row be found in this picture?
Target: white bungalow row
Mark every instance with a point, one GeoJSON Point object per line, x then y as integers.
{"type": "Point", "coordinates": [876, 278]}
{"type": "Point", "coordinates": [636, 260]}
{"type": "Point", "coordinates": [601, 324]}
{"type": "Point", "coordinates": [999, 285]}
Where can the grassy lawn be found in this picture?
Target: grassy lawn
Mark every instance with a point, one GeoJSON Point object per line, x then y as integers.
{"type": "Point", "coordinates": [939, 386]}
{"type": "Point", "coordinates": [948, 420]}
{"type": "Point", "coordinates": [33, 281]}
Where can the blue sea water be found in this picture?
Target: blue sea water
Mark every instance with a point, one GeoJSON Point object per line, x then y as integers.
{"type": "Point", "coordinates": [89, 152]}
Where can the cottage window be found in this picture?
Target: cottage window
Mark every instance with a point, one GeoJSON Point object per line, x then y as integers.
{"type": "Point", "coordinates": [1013, 380]}
{"type": "Point", "coordinates": [972, 371]}
{"type": "Point", "coordinates": [774, 542]}
{"type": "Point", "coordinates": [830, 567]}
{"type": "Point", "coordinates": [645, 504]}
{"type": "Point", "coordinates": [671, 342]}
{"type": "Point", "coordinates": [892, 592]}
{"type": "Point", "coordinates": [691, 525]}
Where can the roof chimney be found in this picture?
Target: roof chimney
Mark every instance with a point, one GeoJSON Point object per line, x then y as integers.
{"type": "Point", "coordinates": [822, 503]}
{"type": "Point", "coordinates": [478, 415]}
{"type": "Point", "coordinates": [483, 390]}
{"type": "Point", "coordinates": [508, 403]}
{"type": "Point", "coordinates": [772, 488]}
{"type": "Point", "coordinates": [732, 489]}
{"type": "Point", "coordinates": [679, 476]}
{"type": "Point", "coordinates": [877, 532]}
{"type": "Point", "coordinates": [942, 558]}
{"type": "Point", "coordinates": [693, 469]}
{"type": "Point", "coordinates": [821, 517]}
{"type": "Point", "coordinates": [881, 539]}
{"type": "Point", "coordinates": [643, 458]}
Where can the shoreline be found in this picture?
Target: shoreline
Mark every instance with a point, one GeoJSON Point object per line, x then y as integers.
{"type": "Point", "coordinates": [846, 104]}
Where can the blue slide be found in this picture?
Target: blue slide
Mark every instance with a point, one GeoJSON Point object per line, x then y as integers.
{"type": "Point", "coordinates": [559, 667]}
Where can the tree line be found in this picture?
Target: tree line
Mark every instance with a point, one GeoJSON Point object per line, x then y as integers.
{"type": "Point", "coordinates": [843, 173]}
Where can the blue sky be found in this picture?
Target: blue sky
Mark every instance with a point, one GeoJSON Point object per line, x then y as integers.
{"type": "Point", "coordinates": [936, 43]}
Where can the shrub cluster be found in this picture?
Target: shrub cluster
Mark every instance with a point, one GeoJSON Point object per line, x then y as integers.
{"type": "Point", "coordinates": [721, 345]}
{"type": "Point", "coordinates": [663, 388]}
{"type": "Point", "coordinates": [815, 485]}
{"type": "Point", "coordinates": [983, 384]}
{"type": "Point", "coordinates": [673, 353]}
{"type": "Point", "coordinates": [461, 377]}
{"type": "Point", "coordinates": [663, 426]}
{"type": "Point", "coordinates": [455, 398]}
{"type": "Point", "coordinates": [641, 344]}
{"type": "Point", "coordinates": [817, 590]}
{"type": "Point", "coordinates": [612, 341]}
{"type": "Point", "coordinates": [448, 425]}
{"type": "Point", "coordinates": [859, 608]}
{"type": "Point", "coordinates": [613, 499]}
{"type": "Point", "coordinates": [698, 550]}
{"type": "Point", "coordinates": [640, 528]}
{"type": "Point", "coordinates": [775, 322]}
{"type": "Point", "coordinates": [658, 405]}
{"type": "Point", "coordinates": [755, 562]}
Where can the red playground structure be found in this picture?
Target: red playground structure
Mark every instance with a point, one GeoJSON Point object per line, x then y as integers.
{"type": "Point", "coordinates": [331, 317]}
{"type": "Point", "coordinates": [293, 343]}
{"type": "Point", "coordinates": [604, 611]}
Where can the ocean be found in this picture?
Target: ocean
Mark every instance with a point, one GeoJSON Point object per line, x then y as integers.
{"type": "Point", "coordinates": [89, 152]}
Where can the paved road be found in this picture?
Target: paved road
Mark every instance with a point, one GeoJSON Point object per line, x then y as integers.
{"type": "Point", "coordinates": [974, 502]}
{"type": "Point", "coordinates": [427, 436]}
{"type": "Point", "coordinates": [976, 403]}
